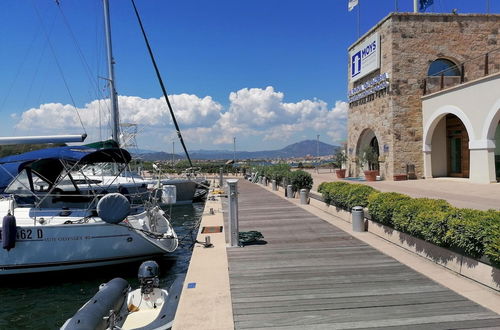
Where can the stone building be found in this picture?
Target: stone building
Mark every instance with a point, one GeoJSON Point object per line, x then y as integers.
{"type": "Point", "coordinates": [412, 59]}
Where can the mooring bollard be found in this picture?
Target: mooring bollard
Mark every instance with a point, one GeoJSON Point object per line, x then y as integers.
{"type": "Point", "coordinates": [275, 186]}
{"type": "Point", "coordinates": [233, 212]}
{"type": "Point", "coordinates": [289, 191]}
{"type": "Point", "coordinates": [358, 219]}
{"type": "Point", "coordinates": [221, 177]}
{"type": "Point", "coordinates": [303, 196]}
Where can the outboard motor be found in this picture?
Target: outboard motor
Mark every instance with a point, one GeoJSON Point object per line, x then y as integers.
{"type": "Point", "coordinates": [149, 273]}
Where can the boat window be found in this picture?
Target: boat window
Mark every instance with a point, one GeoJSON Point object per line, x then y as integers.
{"type": "Point", "coordinates": [21, 184]}
{"type": "Point", "coordinates": [443, 66]}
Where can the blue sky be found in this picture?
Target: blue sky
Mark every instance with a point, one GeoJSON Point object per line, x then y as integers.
{"type": "Point", "coordinates": [269, 73]}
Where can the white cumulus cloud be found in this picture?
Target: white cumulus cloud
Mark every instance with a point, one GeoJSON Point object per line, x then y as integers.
{"type": "Point", "coordinates": [259, 114]}
{"type": "Point", "coordinates": [190, 110]}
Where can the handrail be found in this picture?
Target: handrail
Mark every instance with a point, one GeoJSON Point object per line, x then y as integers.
{"type": "Point", "coordinates": [477, 67]}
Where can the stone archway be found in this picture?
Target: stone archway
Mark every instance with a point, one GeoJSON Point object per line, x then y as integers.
{"type": "Point", "coordinates": [368, 139]}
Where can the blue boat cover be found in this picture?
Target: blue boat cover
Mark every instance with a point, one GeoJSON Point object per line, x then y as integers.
{"type": "Point", "coordinates": [47, 162]}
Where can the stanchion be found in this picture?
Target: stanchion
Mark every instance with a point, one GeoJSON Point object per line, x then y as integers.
{"type": "Point", "coordinates": [233, 212]}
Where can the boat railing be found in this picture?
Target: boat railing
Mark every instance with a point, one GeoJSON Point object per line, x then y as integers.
{"type": "Point", "coordinates": [76, 200]}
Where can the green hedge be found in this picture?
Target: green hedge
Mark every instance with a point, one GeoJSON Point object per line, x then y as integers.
{"type": "Point", "coordinates": [423, 218]}
{"type": "Point", "coordinates": [345, 195]}
{"type": "Point", "coordinates": [474, 232]}
{"type": "Point", "coordinates": [382, 206]}
{"type": "Point", "coordinates": [282, 172]}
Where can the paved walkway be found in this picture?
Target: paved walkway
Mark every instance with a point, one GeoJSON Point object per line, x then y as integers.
{"type": "Point", "coordinates": [312, 275]}
{"type": "Point", "coordinates": [458, 192]}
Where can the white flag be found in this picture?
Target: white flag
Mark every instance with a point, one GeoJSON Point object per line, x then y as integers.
{"type": "Point", "coordinates": [352, 4]}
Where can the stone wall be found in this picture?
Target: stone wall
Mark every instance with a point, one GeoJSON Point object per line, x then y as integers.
{"type": "Point", "coordinates": [409, 44]}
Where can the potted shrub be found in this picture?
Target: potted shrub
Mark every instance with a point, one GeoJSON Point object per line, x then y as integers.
{"type": "Point", "coordinates": [369, 157]}
{"type": "Point", "coordinates": [300, 180]}
{"type": "Point", "coordinates": [340, 159]}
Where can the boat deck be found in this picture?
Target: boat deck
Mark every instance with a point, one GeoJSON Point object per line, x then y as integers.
{"type": "Point", "coordinates": [312, 275]}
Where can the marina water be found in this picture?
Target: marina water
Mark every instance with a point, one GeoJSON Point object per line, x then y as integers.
{"type": "Point", "coordinates": [45, 301]}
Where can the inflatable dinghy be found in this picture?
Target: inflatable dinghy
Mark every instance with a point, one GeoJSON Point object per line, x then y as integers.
{"type": "Point", "coordinates": [117, 306]}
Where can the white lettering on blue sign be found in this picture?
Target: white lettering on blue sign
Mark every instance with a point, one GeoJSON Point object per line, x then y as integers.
{"type": "Point", "coordinates": [369, 87]}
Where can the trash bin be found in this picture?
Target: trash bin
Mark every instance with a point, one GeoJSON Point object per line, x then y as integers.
{"type": "Point", "coordinates": [303, 196]}
{"type": "Point", "coordinates": [358, 219]}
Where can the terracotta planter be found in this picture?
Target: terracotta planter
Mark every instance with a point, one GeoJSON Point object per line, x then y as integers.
{"type": "Point", "coordinates": [371, 175]}
{"type": "Point", "coordinates": [400, 177]}
{"type": "Point", "coordinates": [340, 173]}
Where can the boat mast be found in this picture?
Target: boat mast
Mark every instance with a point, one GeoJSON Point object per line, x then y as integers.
{"type": "Point", "coordinates": [115, 117]}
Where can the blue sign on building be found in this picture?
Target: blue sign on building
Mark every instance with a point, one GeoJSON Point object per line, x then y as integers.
{"type": "Point", "coordinates": [356, 64]}
{"type": "Point", "coordinates": [365, 57]}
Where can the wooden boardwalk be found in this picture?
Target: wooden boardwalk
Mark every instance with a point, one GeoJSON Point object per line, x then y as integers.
{"type": "Point", "coordinates": [311, 275]}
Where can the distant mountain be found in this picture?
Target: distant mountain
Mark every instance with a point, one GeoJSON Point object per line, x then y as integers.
{"type": "Point", "coordinates": [142, 151]}
{"type": "Point", "coordinates": [299, 149]}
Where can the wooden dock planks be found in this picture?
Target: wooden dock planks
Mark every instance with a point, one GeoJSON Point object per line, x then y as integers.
{"type": "Point", "coordinates": [311, 275]}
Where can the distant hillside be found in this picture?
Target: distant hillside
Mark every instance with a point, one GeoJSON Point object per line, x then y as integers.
{"type": "Point", "coordinates": [16, 149]}
{"type": "Point", "coordinates": [156, 155]}
{"type": "Point", "coordinates": [299, 149]}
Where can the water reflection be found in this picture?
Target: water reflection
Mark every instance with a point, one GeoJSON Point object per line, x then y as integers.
{"type": "Point", "coordinates": [45, 301]}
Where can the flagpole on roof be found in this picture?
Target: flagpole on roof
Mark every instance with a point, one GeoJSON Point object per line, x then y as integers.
{"type": "Point", "coordinates": [415, 6]}
{"type": "Point", "coordinates": [350, 6]}
{"type": "Point", "coordinates": [396, 9]}
{"type": "Point", "coordinates": [358, 22]}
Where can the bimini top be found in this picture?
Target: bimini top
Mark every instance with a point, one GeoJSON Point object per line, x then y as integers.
{"type": "Point", "coordinates": [47, 163]}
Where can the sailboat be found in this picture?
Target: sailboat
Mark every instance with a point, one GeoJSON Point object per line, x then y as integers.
{"type": "Point", "coordinates": [50, 223]}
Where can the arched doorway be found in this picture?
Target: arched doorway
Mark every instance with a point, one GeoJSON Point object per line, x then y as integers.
{"type": "Point", "coordinates": [457, 147]}
{"type": "Point", "coordinates": [374, 146]}
{"type": "Point", "coordinates": [368, 143]}
{"type": "Point", "coordinates": [449, 142]}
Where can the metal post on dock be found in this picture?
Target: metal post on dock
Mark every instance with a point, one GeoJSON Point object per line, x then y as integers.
{"type": "Point", "coordinates": [289, 191]}
{"type": "Point", "coordinates": [275, 186]}
{"type": "Point", "coordinates": [233, 212]}
{"type": "Point", "coordinates": [358, 219]}
{"type": "Point", "coordinates": [221, 177]}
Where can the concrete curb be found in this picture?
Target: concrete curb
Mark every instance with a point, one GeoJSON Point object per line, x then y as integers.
{"type": "Point", "coordinates": [208, 304]}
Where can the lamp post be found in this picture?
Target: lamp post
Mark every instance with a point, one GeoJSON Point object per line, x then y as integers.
{"type": "Point", "coordinates": [173, 150]}
{"type": "Point", "coordinates": [234, 149]}
{"type": "Point", "coordinates": [317, 153]}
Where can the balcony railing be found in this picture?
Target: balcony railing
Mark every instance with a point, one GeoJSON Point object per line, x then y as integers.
{"type": "Point", "coordinates": [470, 70]}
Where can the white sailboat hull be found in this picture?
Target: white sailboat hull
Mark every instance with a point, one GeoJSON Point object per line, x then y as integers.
{"type": "Point", "coordinates": [50, 248]}
{"type": "Point", "coordinates": [60, 246]}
